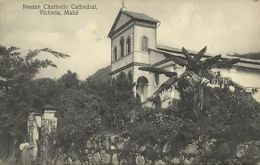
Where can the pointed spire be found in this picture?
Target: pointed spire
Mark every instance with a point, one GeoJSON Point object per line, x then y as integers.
{"type": "Point", "coordinates": [123, 5]}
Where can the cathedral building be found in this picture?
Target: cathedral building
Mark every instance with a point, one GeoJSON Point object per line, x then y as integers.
{"type": "Point", "coordinates": [134, 44]}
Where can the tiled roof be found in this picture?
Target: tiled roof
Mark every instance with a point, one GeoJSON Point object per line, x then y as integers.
{"type": "Point", "coordinates": [140, 16]}
{"type": "Point", "coordinates": [246, 63]}
{"type": "Point", "coordinates": [178, 50]}
{"type": "Point", "coordinates": [134, 17]}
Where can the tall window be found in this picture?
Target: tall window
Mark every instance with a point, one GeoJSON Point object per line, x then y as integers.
{"type": "Point", "coordinates": [144, 44]}
{"type": "Point", "coordinates": [122, 46]}
{"type": "Point", "coordinates": [115, 53]}
{"type": "Point", "coordinates": [128, 45]}
{"type": "Point", "coordinates": [142, 88]}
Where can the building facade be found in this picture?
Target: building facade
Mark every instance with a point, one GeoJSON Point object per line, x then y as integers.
{"type": "Point", "coordinates": [134, 44]}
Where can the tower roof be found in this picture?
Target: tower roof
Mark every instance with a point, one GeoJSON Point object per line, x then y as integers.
{"type": "Point", "coordinates": [132, 16]}
{"type": "Point", "coordinates": [140, 16]}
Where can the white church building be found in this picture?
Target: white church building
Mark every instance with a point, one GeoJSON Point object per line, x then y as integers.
{"type": "Point", "coordinates": [134, 44]}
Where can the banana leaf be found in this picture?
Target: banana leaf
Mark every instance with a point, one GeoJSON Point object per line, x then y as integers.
{"type": "Point", "coordinates": [166, 85]}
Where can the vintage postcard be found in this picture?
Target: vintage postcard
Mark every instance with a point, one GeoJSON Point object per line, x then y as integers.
{"type": "Point", "coordinates": [129, 82]}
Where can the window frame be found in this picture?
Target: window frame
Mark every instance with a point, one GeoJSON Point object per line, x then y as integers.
{"type": "Point", "coordinates": [122, 46]}
{"type": "Point", "coordinates": [144, 43]}
{"type": "Point", "coordinates": [128, 45]}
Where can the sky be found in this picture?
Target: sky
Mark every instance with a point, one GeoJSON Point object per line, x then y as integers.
{"type": "Point", "coordinates": [225, 26]}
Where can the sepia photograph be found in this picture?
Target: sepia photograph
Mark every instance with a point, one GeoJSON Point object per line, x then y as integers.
{"type": "Point", "coordinates": [129, 82]}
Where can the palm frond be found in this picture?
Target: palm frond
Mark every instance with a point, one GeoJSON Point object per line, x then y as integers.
{"type": "Point", "coordinates": [55, 53]}
{"type": "Point", "coordinates": [225, 63]}
{"type": "Point", "coordinates": [166, 85]}
{"type": "Point", "coordinates": [177, 60]}
{"type": "Point", "coordinates": [208, 63]}
{"type": "Point", "coordinates": [200, 54]}
{"type": "Point", "coordinates": [187, 55]}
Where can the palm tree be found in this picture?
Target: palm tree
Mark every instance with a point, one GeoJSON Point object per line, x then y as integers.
{"type": "Point", "coordinates": [196, 76]}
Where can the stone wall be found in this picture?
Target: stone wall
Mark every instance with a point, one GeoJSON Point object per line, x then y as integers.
{"type": "Point", "coordinates": [117, 150]}
{"type": "Point", "coordinates": [113, 149]}
{"type": "Point", "coordinates": [105, 149]}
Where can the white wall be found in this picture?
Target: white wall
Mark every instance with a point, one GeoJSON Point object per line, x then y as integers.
{"type": "Point", "coordinates": [116, 42]}
{"type": "Point", "coordinates": [140, 32]}
{"type": "Point", "coordinates": [128, 58]}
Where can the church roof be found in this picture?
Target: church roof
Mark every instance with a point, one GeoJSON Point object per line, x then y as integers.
{"type": "Point", "coordinates": [132, 16]}
{"type": "Point", "coordinates": [140, 16]}
{"type": "Point", "coordinates": [243, 63]}
{"type": "Point", "coordinates": [178, 50]}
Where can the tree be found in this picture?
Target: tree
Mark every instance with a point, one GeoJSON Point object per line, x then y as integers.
{"type": "Point", "coordinates": [79, 118]}
{"type": "Point", "coordinates": [69, 80]}
{"type": "Point", "coordinates": [197, 74]}
{"type": "Point", "coordinates": [16, 72]}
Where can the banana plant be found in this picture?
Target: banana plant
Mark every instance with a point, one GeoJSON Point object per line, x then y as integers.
{"type": "Point", "coordinates": [196, 76]}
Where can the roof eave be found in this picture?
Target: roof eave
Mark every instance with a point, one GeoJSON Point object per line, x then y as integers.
{"type": "Point", "coordinates": [113, 26]}
{"type": "Point", "coordinates": [156, 22]}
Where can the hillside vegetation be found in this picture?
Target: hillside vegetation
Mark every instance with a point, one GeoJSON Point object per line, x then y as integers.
{"type": "Point", "coordinates": [226, 131]}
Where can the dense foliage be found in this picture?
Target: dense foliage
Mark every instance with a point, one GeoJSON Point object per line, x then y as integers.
{"type": "Point", "coordinates": [17, 97]}
{"type": "Point", "coordinates": [98, 105]}
{"type": "Point", "coordinates": [229, 118]}
{"type": "Point", "coordinates": [83, 108]}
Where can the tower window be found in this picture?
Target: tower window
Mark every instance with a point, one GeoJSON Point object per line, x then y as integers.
{"type": "Point", "coordinates": [144, 44]}
{"type": "Point", "coordinates": [122, 46]}
{"type": "Point", "coordinates": [128, 45]}
{"type": "Point", "coordinates": [115, 53]}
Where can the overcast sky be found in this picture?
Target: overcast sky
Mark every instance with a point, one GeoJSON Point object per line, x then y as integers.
{"type": "Point", "coordinates": [225, 26]}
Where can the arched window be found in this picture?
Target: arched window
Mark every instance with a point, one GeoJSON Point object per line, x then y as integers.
{"type": "Point", "coordinates": [142, 88]}
{"type": "Point", "coordinates": [122, 46]}
{"type": "Point", "coordinates": [115, 53]}
{"type": "Point", "coordinates": [144, 44]}
{"type": "Point", "coordinates": [128, 45]}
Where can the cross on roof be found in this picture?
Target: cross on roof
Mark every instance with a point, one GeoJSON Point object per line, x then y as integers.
{"type": "Point", "coordinates": [123, 5]}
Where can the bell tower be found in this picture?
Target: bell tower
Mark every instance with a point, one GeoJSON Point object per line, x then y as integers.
{"type": "Point", "coordinates": [132, 34]}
